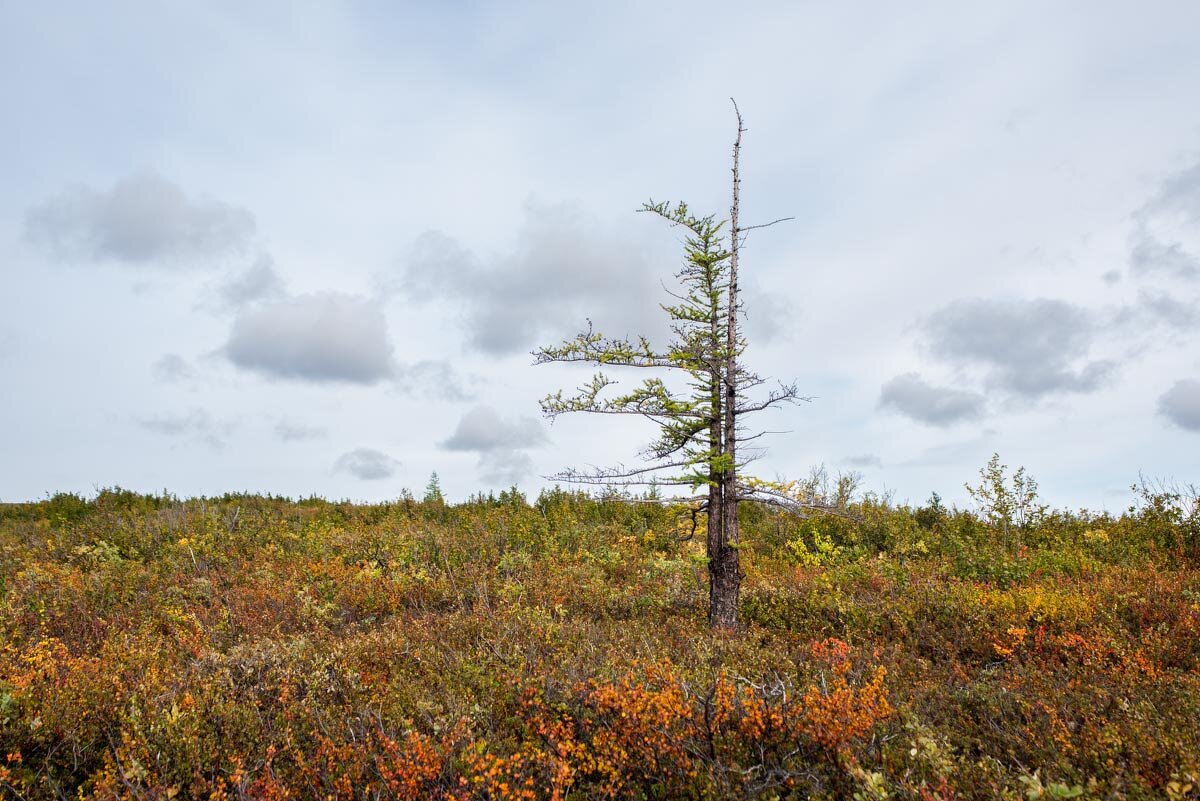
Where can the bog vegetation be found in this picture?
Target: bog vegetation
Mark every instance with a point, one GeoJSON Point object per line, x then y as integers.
{"type": "Point", "coordinates": [557, 648]}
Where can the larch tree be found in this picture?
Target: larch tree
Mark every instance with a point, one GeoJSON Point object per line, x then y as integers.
{"type": "Point", "coordinates": [697, 394]}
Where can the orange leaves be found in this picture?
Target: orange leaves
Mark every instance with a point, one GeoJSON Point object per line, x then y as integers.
{"type": "Point", "coordinates": [648, 732]}
{"type": "Point", "coordinates": [1016, 636]}
{"type": "Point", "coordinates": [837, 716]}
{"type": "Point", "coordinates": [413, 766]}
{"type": "Point", "coordinates": [42, 662]}
{"type": "Point", "coordinates": [831, 651]}
{"type": "Point", "coordinates": [836, 712]}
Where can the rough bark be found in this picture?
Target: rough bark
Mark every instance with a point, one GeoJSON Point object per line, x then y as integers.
{"type": "Point", "coordinates": [725, 569]}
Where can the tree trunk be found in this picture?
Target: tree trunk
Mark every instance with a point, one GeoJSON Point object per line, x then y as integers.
{"type": "Point", "coordinates": [717, 612]}
{"type": "Point", "coordinates": [725, 570]}
{"type": "Point", "coordinates": [726, 577]}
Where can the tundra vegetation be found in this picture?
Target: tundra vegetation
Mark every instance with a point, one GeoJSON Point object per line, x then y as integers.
{"type": "Point", "coordinates": [557, 648]}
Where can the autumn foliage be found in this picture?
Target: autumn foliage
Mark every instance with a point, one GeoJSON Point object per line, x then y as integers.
{"type": "Point", "coordinates": [249, 647]}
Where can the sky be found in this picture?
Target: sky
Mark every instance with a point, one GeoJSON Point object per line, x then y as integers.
{"type": "Point", "coordinates": [308, 248]}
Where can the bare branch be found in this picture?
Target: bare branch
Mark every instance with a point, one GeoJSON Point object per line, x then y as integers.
{"type": "Point", "coordinates": [746, 228]}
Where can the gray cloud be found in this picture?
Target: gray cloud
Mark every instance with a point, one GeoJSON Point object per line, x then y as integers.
{"type": "Point", "coordinates": [436, 379]}
{"type": "Point", "coordinates": [915, 398]}
{"type": "Point", "coordinates": [258, 282]}
{"type": "Point", "coordinates": [500, 443]}
{"type": "Point", "coordinates": [770, 316]}
{"type": "Point", "coordinates": [367, 464]}
{"type": "Point", "coordinates": [197, 424]}
{"type": "Point", "coordinates": [562, 269]}
{"type": "Point", "coordinates": [863, 460]}
{"type": "Point", "coordinates": [171, 368]}
{"type": "Point", "coordinates": [1181, 404]}
{"type": "Point", "coordinates": [505, 468]}
{"type": "Point", "coordinates": [484, 431]}
{"type": "Point", "coordinates": [323, 337]}
{"type": "Point", "coordinates": [1029, 348]}
{"type": "Point", "coordinates": [1149, 255]}
{"type": "Point", "coordinates": [1176, 203]}
{"type": "Point", "coordinates": [142, 219]}
{"type": "Point", "coordinates": [1162, 308]}
{"type": "Point", "coordinates": [1178, 194]}
{"type": "Point", "coordinates": [288, 431]}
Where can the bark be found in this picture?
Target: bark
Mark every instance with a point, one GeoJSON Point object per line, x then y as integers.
{"type": "Point", "coordinates": [725, 569]}
{"type": "Point", "coordinates": [716, 505]}
{"type": "Point", "coordinates": [716, 534]}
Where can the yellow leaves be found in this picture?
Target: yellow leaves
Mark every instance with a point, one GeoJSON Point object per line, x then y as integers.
{"type": "Point", "coordinates": [1181, 786]}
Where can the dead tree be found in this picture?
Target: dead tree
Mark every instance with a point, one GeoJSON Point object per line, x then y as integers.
{"type": "Point", "coordinates": [699, 450]}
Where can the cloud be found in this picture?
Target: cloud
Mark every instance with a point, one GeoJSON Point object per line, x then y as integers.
{"type": "Point", "coordinates": [1029, 348]}
{"type": "Point", "coordinates": [171, 368]}
{"type": "Point", "coordinates": [288, 431]}
{"type": "Point", "coordinates": [1170, 214]}
{"type": "Point", "coordinates": [367, 464]}
{"type": "Point", "coordinates": [915, 398]}
{"type": "Point", "coordinates": [1162, 308]}
{"type": "Point", "coordinates": [1181, 404]}
{"type": "Point", "coordinates": [197, 424]}
{"type": "Point", "coordinates": [433, 378]}
{"type": "Point", "coordinates": [257, 283]}
{"type": "Point", "coordinates": [863, 460]}
{"type": "Point", "coordinates": [563, 268]}
{"type": "Point", "coordinates": [483, 430]}
{"type": "Point", "coordinates": [327, 337]}
{"type": "Point", "coordinates": [505, 468]}
{"type": "Point", "coordinates": [142, 219]}
{"type": "Point", "coordinates": [1149, 255]}
{"type": "Point", "coordinates": [500, 443]}
{"type": "Point", "coordinates": [770, 316]}
{"type": "Point", "coordinates": [330, 337]}
{"type": "Point", "coordinates": [1178, 194]}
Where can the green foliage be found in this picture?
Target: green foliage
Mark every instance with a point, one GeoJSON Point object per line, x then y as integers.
{"type": "Point", "coordinates": [1009, 505]}
{"type": "Point", "coordinates": [433, 490]}
{"type": "Point", "coordinates": [1173, 515]}
{"type": "Point", "coordinates": [688, 451]}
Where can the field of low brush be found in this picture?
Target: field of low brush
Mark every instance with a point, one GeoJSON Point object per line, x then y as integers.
{"type": "Point", "coordinates": [249, 647]}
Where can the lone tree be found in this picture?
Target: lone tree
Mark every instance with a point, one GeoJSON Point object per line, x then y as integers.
{"type": "Point", "coordinates": [700, 413]}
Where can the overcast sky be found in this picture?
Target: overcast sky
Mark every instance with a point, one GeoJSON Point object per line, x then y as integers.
{"type": "Point", "coordinates": [307, 248]}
